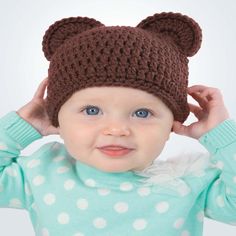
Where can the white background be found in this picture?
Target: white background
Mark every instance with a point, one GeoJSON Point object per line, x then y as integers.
{"type": "Point", "coordinates": [23, 65]}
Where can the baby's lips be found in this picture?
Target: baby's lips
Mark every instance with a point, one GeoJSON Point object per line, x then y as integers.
{"type": "Point", "coordinates": [115, 147]}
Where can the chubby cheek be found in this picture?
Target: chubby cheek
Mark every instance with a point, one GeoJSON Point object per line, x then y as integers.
{"type": "Point", "coordinates": [155, 143]}
{"type": "Point", "coordinates": [78, 141]}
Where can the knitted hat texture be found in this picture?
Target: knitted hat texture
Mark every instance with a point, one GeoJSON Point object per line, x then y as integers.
{"type": "Point", "coordinates": [151, 57]}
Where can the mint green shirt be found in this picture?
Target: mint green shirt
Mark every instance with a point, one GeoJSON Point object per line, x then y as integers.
{"type": "Point", "coordinates": [65, 197]}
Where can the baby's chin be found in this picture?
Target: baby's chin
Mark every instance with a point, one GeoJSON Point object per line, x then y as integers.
{"type": "Point", "coordinates": [109, 169]}
{"type": "Point", "coordinates": [114, 168]}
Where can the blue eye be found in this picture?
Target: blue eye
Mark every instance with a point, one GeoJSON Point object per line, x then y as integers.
{"type": "Point", "coordinates": [142, 113]}
{"type": "Point", "coordinates": [91, 110]}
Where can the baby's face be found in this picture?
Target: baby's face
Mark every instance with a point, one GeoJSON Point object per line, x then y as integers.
{"type": "Point", "coordinates": [101, 116]}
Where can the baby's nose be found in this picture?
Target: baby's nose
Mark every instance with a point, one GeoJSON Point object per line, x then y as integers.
{"type": "Point", "coordinates": [117, 129]}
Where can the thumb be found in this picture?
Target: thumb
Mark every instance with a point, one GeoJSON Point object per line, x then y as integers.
{"type": "Point", "coordinates": [179, 128]}
{"type": "Point", "coordinates": [51, 130]}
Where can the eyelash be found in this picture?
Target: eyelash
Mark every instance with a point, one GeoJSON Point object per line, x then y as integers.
{"type": "Point", "coordinates": [91, 106]}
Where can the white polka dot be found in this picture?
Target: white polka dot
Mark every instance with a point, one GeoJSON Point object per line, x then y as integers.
{"type": "Point", "coordinates": [185, 233]}
{"type": "Point", "coordinates": [121, 207]}
{"type": "Point", "coordinates": [82, 204]}
{"type": "Point", "coordinates": [69, 184]}
{"type": "Point", "coordinates": [33, 163]}
{"type": "Point", "coordinates": [90, 182]}
{"type": "Point", "coordinates": [220, 201]}
{"type": "Point", "coordinates": [126, 186]}
{"type": "Point", "coordinates": [162, 207]}
{"type": "Point", "coordinates": [62, 169]}
{"type": "Point", "coordinates": [45, 232]}
{"type": "Point", "coordinates": [49, 199]}
{"type": "Point", "coordinates": [234, 179]}
{"type": "Point", "coordinates": [63, 218]}
{"type": "Point", "coordinates": [27, 189]}
{"type": "Point", "coordinates": [3, 147]}
{"type": "Point", "coordinates": [104, 191]}
{"type": "Point", "coordinates": [228, 190]}
{"type": "Point", "coordinates": [220, 165]}
{"type": "Point", "coordinates": [143, 192]}
{"type": "Point", "coordinates": [58, 158]}
{"type": "Point", "coordinates": [78, 234]}
{"type": "Point", "coordinates": [100, 223]}
{"type": "Point", "coordinates": [35, 207]}
{"type": "Point", "coordinates": [140, 224]}
{"type": "Point", "coordinates": [200, 216]}
{"type": "Point", "coordinates": [15, 202]}
{"type": "Point", "coordinates": [38, 180]}
{"type": "Point", "coordinates": [235, 157]}
{"type": "Point", "coordinates": [10, 171]}
{"type": "Point", "coordinates": [179, 223]}
{"type": "Point", "coordinates": [184, 190]}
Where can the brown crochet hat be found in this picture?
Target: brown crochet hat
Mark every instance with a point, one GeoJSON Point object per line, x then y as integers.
{"type": "Point", "coordinates": [151, 57]}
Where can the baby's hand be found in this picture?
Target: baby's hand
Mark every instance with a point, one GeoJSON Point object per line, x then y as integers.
{"type": "Point", "coordinates": [34, 112]}
{"type": "Point", "coordinates": [210, 113]}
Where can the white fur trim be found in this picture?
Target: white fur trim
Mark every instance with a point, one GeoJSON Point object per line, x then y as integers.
{"type": "Point", "coordinates": [171, 170]}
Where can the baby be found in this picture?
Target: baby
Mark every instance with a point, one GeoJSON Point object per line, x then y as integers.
{"type": "Point", "coordinates": [114, 95]}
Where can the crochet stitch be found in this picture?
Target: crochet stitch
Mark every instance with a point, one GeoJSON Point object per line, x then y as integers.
{"type": "Point", "coordinates": [151, 57]}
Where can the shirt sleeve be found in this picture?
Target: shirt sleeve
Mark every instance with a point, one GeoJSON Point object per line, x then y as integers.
{"type": "Point", "coordinates": [15, 135]}
{"type": "Point", "coordinates": [220, 197]}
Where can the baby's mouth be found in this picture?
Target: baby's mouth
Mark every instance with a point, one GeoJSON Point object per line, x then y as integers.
{"type": "Point", "coordinates": [115, 151]}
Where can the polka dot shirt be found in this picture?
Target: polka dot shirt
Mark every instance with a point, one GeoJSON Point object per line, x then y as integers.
{"type": "Point", "coordinates": [69, 198]}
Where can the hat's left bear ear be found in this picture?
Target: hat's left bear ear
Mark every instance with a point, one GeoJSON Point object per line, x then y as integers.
{"type": "Point", "coordinates": [64, 29]}
{"type": "Point", "coordinates": [181, 29]}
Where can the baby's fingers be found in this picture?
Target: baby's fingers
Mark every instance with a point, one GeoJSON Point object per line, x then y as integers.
{"type": "Point", "coordinates": [181, 129]}
{"type": "Point", "coordinates": [206, 96]}
{"type": "Point", "coordinates": [206, 93]}
{"type": "Point", "coordinates": [202, 101]}
{"type": "Point", "coordinates": [197, 111]}
{"type": "Point", "coordinates": [197, 88]}
{"type": "Point", "coordinates": [212, 95]}
{"type": "Point", "coordinates": [39, 94]}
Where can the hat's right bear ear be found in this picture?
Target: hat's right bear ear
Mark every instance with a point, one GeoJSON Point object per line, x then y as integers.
{"type": "Point", "coordinates": [182, 30]}
{"type": "Point", "coordinates": [64, 29]}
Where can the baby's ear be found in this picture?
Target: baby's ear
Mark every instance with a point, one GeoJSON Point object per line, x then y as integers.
{"type": "Point", "coordinates": [182, 30]}
{"type": "Point", "coordinates": [64, 29]}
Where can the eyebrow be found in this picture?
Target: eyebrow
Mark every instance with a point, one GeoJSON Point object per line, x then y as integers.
{"type": "Point", "coordinates": [139, 103]}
